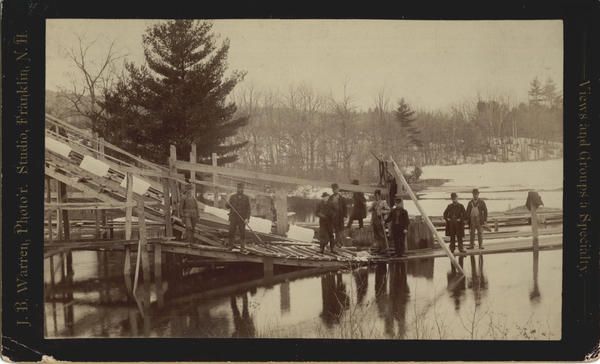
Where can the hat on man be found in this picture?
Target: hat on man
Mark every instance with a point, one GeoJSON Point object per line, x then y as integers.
{"type": "Point", "coordinates": [240, 184]}
{"type": "Point", "coordinates": [334, 186]}
{"type": "Point", "coordinates": [475, 191]}
{"type": "Point", "coordinates": [453, 195]}
{"type": "Point", "coordinates": [355, 182]}
{"type": "Point", "coordinates": [324, 194]}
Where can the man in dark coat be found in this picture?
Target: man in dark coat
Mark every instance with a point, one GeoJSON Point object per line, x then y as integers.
{"type": "Point", "coordinates": [399, 221]}
{"type": "Point", "coordinates": [324, 213]}
{"type": "Point", "coordinates": [339, 212]}
{"type": "Point", "coordinates": [477, 216]}
{"type": "Point", "coordinates": [455, 216]}
{"type": "Point", "coordinates": [239, 215]}
{"type": "Point", "coordinates": [359, 208]}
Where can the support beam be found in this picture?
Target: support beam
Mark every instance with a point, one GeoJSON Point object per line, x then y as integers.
{"type": "Point", "coordinates": [215, 181]}
{"type": "Point", "coordinates": [281, 207]}
{"type": "Point", "coordinates": [268, 267]}
{"type": "Point", "coordinates": [193, 159]}
{"type": "Point", "coordinates": [143, 249]}
{"type": "Point", "coordinates": [167, 204]}
{"type": "Point", "coordinates": [128, 209]}
{"type": "Point", "coordinates": [173, 184]}
{"type": "Point", "coordinates": [236, 172]}
{"type": "Point", "coordinates": [49, 200]}
{"type": "Point", "coordinates": [400, 178]}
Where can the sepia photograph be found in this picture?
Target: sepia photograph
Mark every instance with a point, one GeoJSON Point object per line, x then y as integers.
{"type": "Point", "coordinates": [303, 179]}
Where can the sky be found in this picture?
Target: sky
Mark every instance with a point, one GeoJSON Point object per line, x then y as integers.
{"type": "Point", "coordinates": [432, 64]}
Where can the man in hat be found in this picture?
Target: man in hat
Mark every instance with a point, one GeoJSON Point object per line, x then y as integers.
{"type": "Point", "coordinates": [378, 210]}
{"type": "Point", "coordinates": [477, 216]}
{"type": "Point", "coordinates": [339, 212]}
{"type": "Point", "coordinates": [189, 213]}
{"type": "Point", "coordinates": [398, 220]}
{"type": "Point", "coordinates": [239, 215]}
{"type": "Point", "coordinates": [455, 216]}
{"type": "Point", "coordinates": [359, 208]}
{"type": "Point", "coordinates": [324, 213]}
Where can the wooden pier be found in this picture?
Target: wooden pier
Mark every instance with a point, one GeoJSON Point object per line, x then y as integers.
{"type": "Point", "coordinates": [106, 179]}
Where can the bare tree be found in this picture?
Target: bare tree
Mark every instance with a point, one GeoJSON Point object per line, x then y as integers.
{"type": "Point", "coordinates": [93, 78]}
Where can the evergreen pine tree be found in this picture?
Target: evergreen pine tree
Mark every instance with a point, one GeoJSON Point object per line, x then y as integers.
{"type": "Point", "coordinates": [405, 116]}
{"type": "Point", "coordinates": [179, 97]}
{"type": "Point", "coordinates": [536, 93]}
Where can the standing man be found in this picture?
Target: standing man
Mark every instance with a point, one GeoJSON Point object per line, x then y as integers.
{"type": "Point", "coordinates": [359, 208]}
{"type": "Point", "coordinates": [324, 213]}
{"type": "Point", "coordinates": [477, 215]}
{"type": "Point", "coordinates": [398, 218]}
{"type": "Point", "coordinates": [239, 215]}
{"type": "Point", "coordinates": [189, 212]}
{"type": "Point", "coordinates": [339, 212]}
{"type": "Point", "coordinates": [378, 209]}
{"type": "Point", "coordinates": [455, 216]}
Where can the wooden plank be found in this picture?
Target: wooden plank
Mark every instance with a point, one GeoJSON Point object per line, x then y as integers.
{"type": "Point", "coordinates": [193, 159]}
{"type": "Point", "coordinates": [436, 234]}
{"type": "Point", "coordinates": [88, 205]}
{"type": "Point", "coordinates": [167, 210]}
{"type": "Point", "coordinates": [215, 180]}
{"type": "Point", "coordinates": [129, 209]}
{"type": "Point", "coordinates": [236, 172]}
{"type": "Point", "coordinates": [143, 251]}
{"type": "Point", "coordinates": [48, 200]}
{"type": "Point", "coordinates": [281, 208]}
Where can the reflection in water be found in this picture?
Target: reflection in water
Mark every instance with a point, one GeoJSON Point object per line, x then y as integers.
{"type": "Point", "coordinates": [335, 298]}
{"type": "Point", "coordinates": [535, 295]}
{"type": "Point", "coordinates": [456, 283]}
{"type": "Point", "coordinates": [361, 279]}
{"type": "Point", "coordinates": [477, 281]}
{"type": "Point", "coordinates": [233, 301]}
{"type": "Point", "coordinates": [399, 297]}
{"type": "Point", "coordinates": [242, 323]}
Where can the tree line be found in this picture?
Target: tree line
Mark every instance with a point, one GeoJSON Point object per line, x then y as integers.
{"type": "Point", "coordinates": [304, 133]}
{"type": "Point", "coordinates": [181, 95]}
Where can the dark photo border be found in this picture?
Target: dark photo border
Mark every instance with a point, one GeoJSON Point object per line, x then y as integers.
{"type": "Point", "coordinates": [23, 60]}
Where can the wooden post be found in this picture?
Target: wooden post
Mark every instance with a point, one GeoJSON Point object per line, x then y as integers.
{"type": "Point", "coordinates": [215, 180]}
{"type": "Point", "coordinates": [49, 200]}
{"type": "Point", "coordinates": [534, 227]}
{"type": "Point", "coordinates": [268, 267]}
{"type": "Point", "coordinates": [281, 207]}
{"type": "Point", "coordinates": [59, 225]}
{"type": "Point", "coordinates": [496, 225]}
{"type": "Point", "coordinates": [143, 249]}
{"type": "Point", "coordinates": [436, 234]}
{"type": "Point", "coordinates": [128, 209]}
{"type": "Point", "coordinates": [173, 172]}
{"type": "Point", "coordinates": [158, 273]}
{"type": "Point", "coordinates": [101, 148]}
{"type": "Point", "coordinates": [167, 204]}
{"type": "Point", "coordinates": [193, 159]}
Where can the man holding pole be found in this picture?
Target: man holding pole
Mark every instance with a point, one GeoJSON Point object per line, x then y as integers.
{"type": "Point", "coordinates": [378, 210]}
{"type": "Point", "coordinates": [454, 216]}
{"type": "Point", "coordinates": [239, 215]}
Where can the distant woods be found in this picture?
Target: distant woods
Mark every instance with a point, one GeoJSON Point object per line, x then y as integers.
{"type": "Point", "coordinates": [303, 133]}
{"type": "Point", "coordinates": [184, 93]}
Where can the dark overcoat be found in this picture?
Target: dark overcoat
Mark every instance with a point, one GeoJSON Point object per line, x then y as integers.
{"type": "Point", "coordinates": [241, 204]}
{"type": "Point", "coordinates": [359, 206]}
{"type": "Point", "coordinates": [339, 210]}
{"type": "Point", "coordinates": [455, 216]}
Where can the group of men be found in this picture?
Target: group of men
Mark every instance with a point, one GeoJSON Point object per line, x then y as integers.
{"type": "Point", "coordinates": [239, 214]}
{"type": "Point", "coordinates": [332, 211]}
{"type": "Point", "coordinates": [456, 216]}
